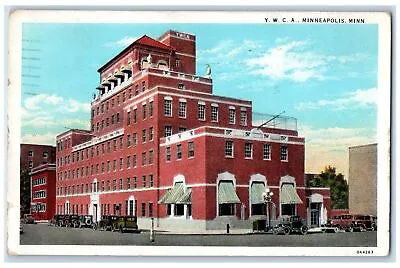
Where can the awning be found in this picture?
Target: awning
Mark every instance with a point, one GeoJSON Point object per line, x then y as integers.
{"type": "Point", "coordinates": [106, 83]}
{"type": "Point", "coordinates": [119, 74]}
{"type": "Point", "coordinates": [257, 190]}
{"type": "Point", "coordinates": [128, 69]}
{"type": "Point", "coordinates": [100, 87]}
{"type": "Point", "coordinates": [289, 195]}
{"type": "Point", "coordinates": [227, 193]}
{"type": "Point", "coordinates": [112, 79]}
{"type": "Point", "coordinates": [186, 198]}
{"type": "Point", "coordinates": [173, 195]}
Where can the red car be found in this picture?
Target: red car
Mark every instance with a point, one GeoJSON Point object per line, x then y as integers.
{"type": "Point", "coordinates": [342, 222]}
{"type": "Point", "coordinates": [365, 223]}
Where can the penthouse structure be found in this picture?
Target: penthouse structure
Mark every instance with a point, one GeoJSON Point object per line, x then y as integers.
{"type": "Point", "coordinates": [163, 146]}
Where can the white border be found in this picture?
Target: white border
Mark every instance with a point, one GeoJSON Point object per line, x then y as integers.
{"type": "Point", "coordinates": [14, 70]}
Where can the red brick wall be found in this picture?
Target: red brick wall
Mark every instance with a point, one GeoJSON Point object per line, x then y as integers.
{"type": "Point", "coordinates": [37, 158]}
{"type": "Point", "coordinates": [48, 173]}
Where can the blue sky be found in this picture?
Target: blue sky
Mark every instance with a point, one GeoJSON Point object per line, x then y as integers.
{"type": "Point", "coordinates": [324, 75]}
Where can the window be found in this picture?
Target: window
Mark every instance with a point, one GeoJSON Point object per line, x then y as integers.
{"type": "Point", "coordinates": [115, 165]}
{"type": "Point", "coordinates": [128, 140]}
{"type": "Point", "coordinates": [107, 121]}
{"type": "Point", "coordinates": [30, 164]}
{"type": "Point", "coordinates": [214, 113]}
{"type": "Point", "coordinates": [177, 62]}
{"type": "Point", "coordinates": [229, 149]}
{"type": "Point", "coordinates": [150, 209]}
{"type": "Point", "coordinates": [45, 154]}
{"type": "Point", "coordinates": [167, 131]}
{"type": "Point", "coordinates": [114, 185]}
{"type": "Point", "coordinates": [190, 149]}
{"type": "Point", "coordinates": [179, 151]}
{"type": "Point", "coordinates": [248, 150]}
{"type": "Point", "coordinates": [231, 116]}
{"type": "Point", "coordinates": [108, 185]}
{"type": "Point", "coordinates": [112, 102]}
{"type": "Point", "coordinates": [168, 153]}
{"type": "Point", "coordinates": [134, 160]}
{"type": "Point", "coordinates": [134, 182]}
{"type": "Point", "coordinates": [109, 146]}
{"type": "Point", "coordinates": [108, 166]}
{"type": "Point", "coordinates": [179, 209]}
{"type": "Point", "coordinates": [267, 152]}
{"type": "Point", "coordinates": [143, 209]}
{"type": "Point", "coordinates": [151, 133]}
{"type": "Point", "coordinates": [102, 168]}
{"type": "Point", "coordinates": [144, 111]}
{"type": "Point", "coordinates": [128, 162]}
{"type": "Point", "coordinates": [121, 185]}
{"type": "Point", "coordinates": [121, 162]}
{"type": "Point", "coordinates": [151, 181]}
{"type": "Point", "coordinates": [102, 186]}
{"type": "Point", "coordinates": [135, 115]}
{"type": "Point", "coordinates": [128, 118]}
{"type": "Point", "coordinates": [226, 209]}
{"type": "Point", "coordinates": [182, 109]}
{"type": "Point", "coordinates": [115, 144]}
{"type": "Point", "coordinates": [202, 112]}
{"type": "Point", "coordinates": [181, 129]}
{"type": "Point", "coordinates": [102, 108]}
{"type": "Point", "coordinates": [143, 158]}
{"type": "Point", "coordinates": [150, 108]}
{"type": "Point", "coordinates": [121, 143]}
{"type": "Point", "coordinates": [134, 139]}
{"type": "Point", "coordinates": [112, 119]}
{"type": "Point", "coordinates": [144, 181]}
{"type": "Point", "coordinates": [143, 86]}
{"type": "Point", "coordinates": [107, 106]}
{"type": "Point", "coordinates": [136, 89]}
{"type": "Point", "coordinates": [181, 86]}
{"type": "Point", "coordinates": [150, 157]}
{"type": "Point", "coordinates": [168, 108]}
{"type": "Point", "coordinates": [123, 96]}
{"type": "Point", "coordinates": [284, 153]}
{"type": "Point", "coordinates": [243, 118]}
{"type": "Point", "coordinates": [143, 135]}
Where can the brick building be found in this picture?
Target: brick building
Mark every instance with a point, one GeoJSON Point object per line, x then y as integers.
{"type": "Point", "coordinates": [33, 155]}
{"type": "Point", "coordinates": [162, 145]}
{"type": "Point", "coordinates": [362, 179]}
{"type": "Point", "coordinates": [43, 192]}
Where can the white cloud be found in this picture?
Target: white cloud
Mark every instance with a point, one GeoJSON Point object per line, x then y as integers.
{"type": "Point", "coordinates": [296, 61]}
{"type": "Point", "coordinates": [46, 138]}
{"type": "Point", "coordinates": [44, 110]}
{"type": "Point", "coordinates": [124, 42]}
{"type": "Point", "coordinates": [355, 99]}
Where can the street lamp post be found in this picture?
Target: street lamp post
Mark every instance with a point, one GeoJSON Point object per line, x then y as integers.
{"type": "Point", "coordinates": [267, 196]}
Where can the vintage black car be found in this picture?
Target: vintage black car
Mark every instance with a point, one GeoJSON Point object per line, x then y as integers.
{"type": "Point", "coordinates": [106, 222]}
{"type": "Point", "coordinates": [85, 221]}
{"type": "Point", "coordinates": [54, 220]}
{"type": "Point", "coordinates": [126, 223]}
{"type": "Point", "coordinates": [364, 223]}
{"type": "Point", "coordinates": [290, 224]}
{"type": "Point", "coordinates": [60, 220]}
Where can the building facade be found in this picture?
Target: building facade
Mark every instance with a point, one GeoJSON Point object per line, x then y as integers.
{"type": "Point", "coordinates": [163, 146]}
{"type": "Point", "coordinates": [33, 155]}
{"type": "Point", "coordinates": [362, 179]}
{"type": "Point", "coordinates": [43, 192]}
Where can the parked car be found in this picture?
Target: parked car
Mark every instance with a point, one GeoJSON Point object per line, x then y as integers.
{"type": "Point", "coordinates": [364, 223]}
{"type": "Point", "coordinates": [106, 222]}
{"type": "Point", "coordinates": [85, 221]}
{"type": "Point", "coordinates": [28, 219]}
{"type": "Point", "coordinates": [74, 221]}
{"type": "Point", "coordinates": [60, 220]}
{"type": "Point", "coordinates": [290, 224]}
{"type": "Point", "coordinates": [342, 222]}
{"type": "Point", "coordinates": [125, 223]}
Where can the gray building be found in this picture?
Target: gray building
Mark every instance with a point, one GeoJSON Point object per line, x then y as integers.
{"type": "Point", "coordinates": [362, 179]}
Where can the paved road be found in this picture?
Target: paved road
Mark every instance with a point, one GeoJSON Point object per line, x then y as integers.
{"type": "Point", "coordinates": [41, 234]}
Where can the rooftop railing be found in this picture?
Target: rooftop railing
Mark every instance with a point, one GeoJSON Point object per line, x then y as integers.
{"type": "Point", "coordinates": [280, 122]}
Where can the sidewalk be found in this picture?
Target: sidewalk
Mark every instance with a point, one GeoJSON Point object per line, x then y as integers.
{"type": "Point", "coordinates": [220, 232]}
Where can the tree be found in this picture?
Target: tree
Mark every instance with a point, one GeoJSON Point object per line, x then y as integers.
{"type": "Point", "coordinates": [337, 184]}
{"type": "Point", "coordinates": [25, 192]}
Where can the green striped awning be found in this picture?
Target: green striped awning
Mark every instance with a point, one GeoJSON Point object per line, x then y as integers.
{"type": "Point", "coordinates": [289, 195]}
{"type": "Point", "coordinates": [173, 194]}
{"type": "Point", "coordinates": [186, 198]}
{"type": "Point", "coordinates": [227, 193]}
{"type": "Point", "coordinates": [257, 190]}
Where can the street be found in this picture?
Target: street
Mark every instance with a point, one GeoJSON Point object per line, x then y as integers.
{"type": "Point", "coordinates": [42, 234]}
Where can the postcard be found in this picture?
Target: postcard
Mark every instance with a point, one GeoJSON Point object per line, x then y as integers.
{"type": "Point", "coordinates": [199, 133]}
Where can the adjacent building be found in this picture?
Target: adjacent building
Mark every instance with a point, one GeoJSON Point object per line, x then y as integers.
{"type": "Point", "coordinates": [43, 192]}
{"type": "Point", "coordinates": [363, 179]}
{"type": "Point", "coordinates": [33, 155]}
{"type": "Point", "coordinates": [163, 146]}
